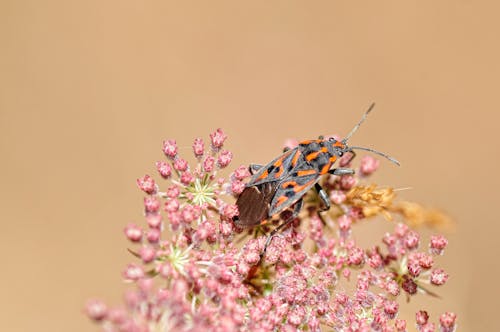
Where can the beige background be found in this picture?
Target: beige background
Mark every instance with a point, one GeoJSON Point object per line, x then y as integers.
{"type": "Point", "coordinates": [89, 89]}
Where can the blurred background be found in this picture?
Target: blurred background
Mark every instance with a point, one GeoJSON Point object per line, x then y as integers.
{"type": "Point", "coordinates": [89, 89]}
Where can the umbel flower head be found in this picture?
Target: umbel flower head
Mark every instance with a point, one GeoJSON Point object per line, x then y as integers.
{"type": "Point", "coordinates": [192, 269]}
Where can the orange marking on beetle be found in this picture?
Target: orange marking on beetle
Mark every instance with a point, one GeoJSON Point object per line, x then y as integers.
{"type": "Point", "coordinates": [306, 172]}
{"type": "Point", "coordinates": [281, 200]}
{"type": "Point", "coordinates": [324, 149]}
{"type": "Point", "coordinates": [278, 162]}
{"type": "Point", "coordinates": [295, 158]}
{"type": "Point", "coordinates": [264, 175]}
{"type": "Point", "coordinates": [300, 188]}
{"type": "Point", "coordinates": [288, 184]}
{"type": "Point", "coordinates": [325, 168]}
{"type": "Point", "coordinates": [339, 144]}
{"type": "Point", "coordinates": [332, 159]}
{"type": "Point", "coordinates": [279, 172]}
{"type": "Point", "coordinates": [312, 155]}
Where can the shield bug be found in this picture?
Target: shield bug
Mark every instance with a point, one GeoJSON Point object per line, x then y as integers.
{"type": "Point", "coordinates": [284, 181]}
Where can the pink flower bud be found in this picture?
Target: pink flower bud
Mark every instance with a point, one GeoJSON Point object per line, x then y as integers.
{"type": "Point", "coordinates": [409, 285]}
{"type": "Point", "coordinates": [173, 192]}
{"type": "Point", "coordinates": [164, 169]}
{"type": "Point", "coordinates": [421, 317]}
{"type": "Point", "coordinates": [170, 148]}
{"type": "Point", "coordinates": [392, 287]}
{"type": "Point", "coordinates": [198, 147]}
{"type": "Point", "coordinates": [154, 220]}
{"type": "Point", "coordinates": [437, 244]}
{"type": "Point", "coordinates": [133, 272]}
{"type": "Point", "coordinates": [217, 139]}
{"type": "Point", "coordinates": [96, 310]}
{"type": "Point", "coordinates": [224, 158]}
{"type": "Point", "coordinates": [230, 211]}
{"type": "Point", "coordinates": [448, 321]}
{"type": "Point", "coordinates": [241, 172]}
{"type": "Point", "coordinates": [133, 232]}
{"type": "Point", "coordinates": [172, 205]}
{"type": "Point", "coordinates": [356, 256]}
{"type": "Point", "coordinates": [400, 325]}
{"type": "Point", "coordinates": [180, 164]}
{"type": "Point", "coordinates": [337, 196]}
{"type": "Point", "coordinates": [190, 213]}
{"type": "Point", "coordinates": [147, 184]}
{"type": "Point", "coordinates": [147, 254]}
{"type": "Point", "coordinates": [208, 164]}
{"type": "Point", "coordinates": [438, 277]}
{"type": "Point", "coordinates": [151, 204]}
{"type": "Point", "coordinates": [368, 165]}
{"type": "Point", "coordinates": [153, 235]}
{"type": "Point", "coordinates": [412, 239]}
{"type": "Point", "coordinates": [237, 187]}
{"type": "Point", "coordinates": [347, 182]}
{"type": "Point", "coordinates": [391, 308]}
{"type": "Point", "coordinates": [187, 178]}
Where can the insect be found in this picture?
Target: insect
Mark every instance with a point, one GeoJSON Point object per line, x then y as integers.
{"type": "Point", "coordinates": [284, 181]}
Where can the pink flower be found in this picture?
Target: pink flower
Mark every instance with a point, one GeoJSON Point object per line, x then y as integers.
{"type": "Point", "coordinates": [133, 232]}
{"type": "Point", "coordinates": [217, 139]}
{"type": "Point", "coordinates": [198, 147]}
{"type": "Point", "coordinates": [96, 310]}
{"type": "Point", "coordinates": [192, 269]}
{"type": "Point", "coordinates": [170, 148]}
{"type": "Point", "coordinates": [147, 184]}
{"type": "Point", "coordinates": [368, 165]}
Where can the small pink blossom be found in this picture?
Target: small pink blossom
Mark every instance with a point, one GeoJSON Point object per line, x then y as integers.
{"type": "Point", "coordinates": [368, 165]}
{"type": "Point", "coordinates": [180, 164]}
{"type": "Point", "coordinates": [147, 184]}
{"type": "Point", "coordinates": [217, 139]}
{"type": "Point", "coordinates": [133, 232]}
{"type": "Point", "coordinates": [187, 178]}
{"type": "Point", "coordinates": [96, 310]}
{"type": "Point", "coordinates": [448, 321]}
{"type": "Point", "coordinates": [151, 204]}
{"type": "Point", "coordinates": [170, 148]}
{"type": "Point", "coordinates": [347, 182]}
{"type": "Point", "coordinates": [224, 159]}
{"type": "Point", "coordinates": [438, 277]}
{"type": "Point", "coordinates": [241, 173]}
{"type": "Point", "coordinates": [421, 317]}
{"type": "Point", "coordinates": [437, 244]}
{"type": "Point", "coordinates": [208, 164]}
{"type": "Point", "coordinates": [337, 196]}
{"type": "Point", "coordinates": [133, 272]}
{"type": "Point", "coordinates": [198, 147]}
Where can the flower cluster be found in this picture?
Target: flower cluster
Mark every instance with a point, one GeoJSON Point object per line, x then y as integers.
{"type": "Point", "coordinates": [194, 270]}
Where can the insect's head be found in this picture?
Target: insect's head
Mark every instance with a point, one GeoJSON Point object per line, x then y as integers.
{"type": "Point", "coordinates": [342, 146]}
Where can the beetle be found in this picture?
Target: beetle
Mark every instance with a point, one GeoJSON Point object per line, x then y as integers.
{"type": "Point", "coordinates": [284, 181]}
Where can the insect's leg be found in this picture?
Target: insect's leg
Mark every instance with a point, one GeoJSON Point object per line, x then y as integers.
{"type": "Point", "coordinates": [323, 197]}
{"type": "Point", "coordinates": [296, 210]}
{"type": "Point", "coordinates": [253, 168]}
{"type": "Point", "coordinates": [341, 171]}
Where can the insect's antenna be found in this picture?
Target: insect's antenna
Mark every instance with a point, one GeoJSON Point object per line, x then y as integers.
{"type": "Point", "coordinates": [376, 152]}
{"type": "Point", "coordinates": [358, 124]}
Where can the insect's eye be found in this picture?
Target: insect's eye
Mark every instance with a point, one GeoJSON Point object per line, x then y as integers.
{"type": "Point", "coordinates": [341, 153]}
{"type": "Point", "coordinates": [331, 139]}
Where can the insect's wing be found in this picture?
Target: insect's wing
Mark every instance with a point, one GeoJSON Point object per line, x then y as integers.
{"type": "Point", "coordinates": [254, 204]}
{"type": "Point", "coordinates": [292, 188]}
{"type": "Point", "coordinates": [277, 169]}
